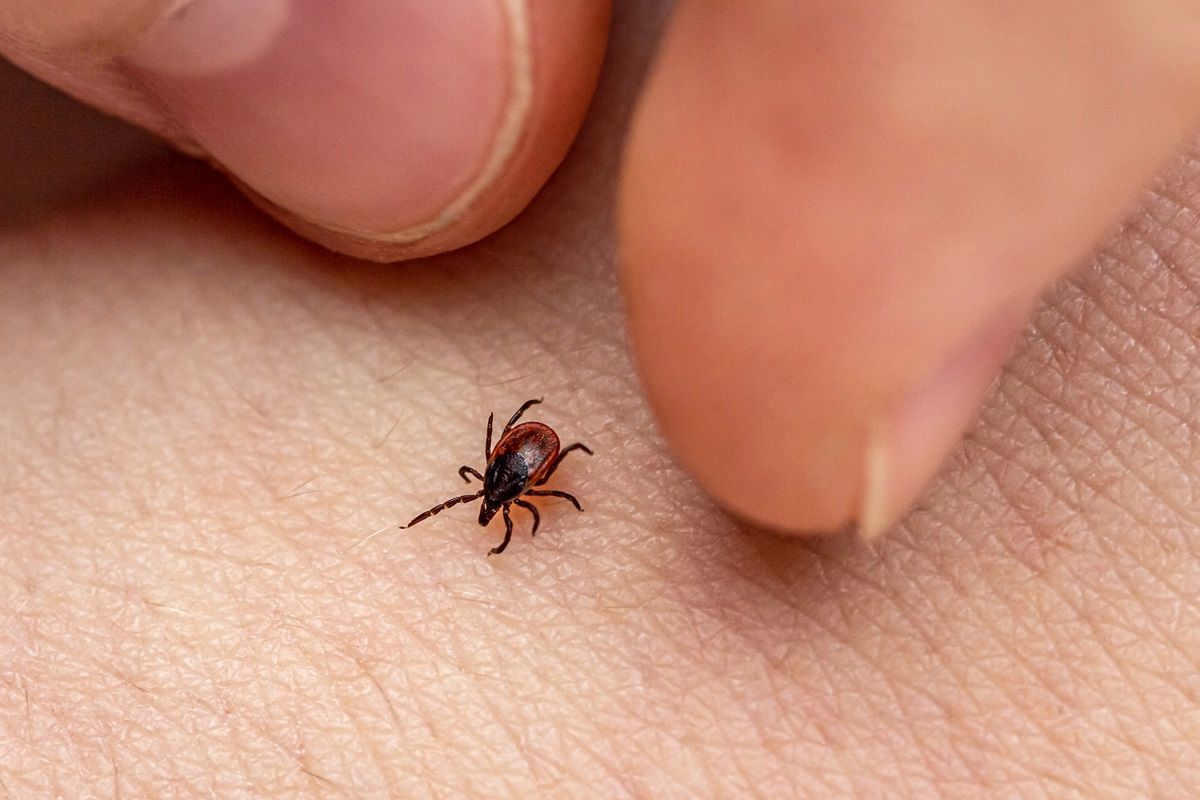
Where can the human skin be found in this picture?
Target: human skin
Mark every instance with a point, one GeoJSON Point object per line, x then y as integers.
{"type": "Point", "coordinates": [850, 206]}
{"type": "Point", "coordinates": [204, 416]}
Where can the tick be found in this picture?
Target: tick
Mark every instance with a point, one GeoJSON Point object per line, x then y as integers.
{"type": "Point", "coordinates": [525, 457]}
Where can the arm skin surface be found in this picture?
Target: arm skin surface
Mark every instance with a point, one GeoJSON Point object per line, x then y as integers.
{"type": "Point", "coordinates": [202, 415]}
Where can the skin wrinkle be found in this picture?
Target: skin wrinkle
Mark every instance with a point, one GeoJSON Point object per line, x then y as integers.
{"type": "Point", "coordinates": [169, 718]}
{"type": "Point", "coordinates": [1000, 638]}
{"type": "Point", "coordinates": [1161, 259]}
{"type": "Point", "coordinates": [874, 662]}
{"type": "Point", "coordinates": [871, 664]}
{"type": "Point", "coordinates": [359, 721]}
{"type": "Point", "coordinates": [1100, 632]}
{"type": "Point", "coordinates": [479, 683]}
{"type": "Point", "coordinates": [1133, 588]}
{"type": "Point", "coordinates": [288, 737]}
{"type": "Point", "coordinates": [1031, 669]}
{"type": "Point", "coordinates": [1147, 752]}
{"type": "Point", "coordinates": [1132, 468]}
{"type": "Point", "coordinates": [876, 665]}
{"type": "Point", "coordinates": [1032, 522]}
{"type": "Point", "coordinates": [1046, 437]}
{"type": "Point", "coordinates": [1135, 392]}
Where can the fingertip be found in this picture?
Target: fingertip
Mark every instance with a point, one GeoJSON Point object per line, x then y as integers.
{"type": "Point", "coordinates": [387, 129]}
{"type": "Point", "coordinates": [825, 268]}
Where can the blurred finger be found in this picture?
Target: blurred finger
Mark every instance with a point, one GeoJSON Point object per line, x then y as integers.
{"type": "Point", "coordinates": [385, 128]}
{"type": "Point", "coordinates": [836, 216]}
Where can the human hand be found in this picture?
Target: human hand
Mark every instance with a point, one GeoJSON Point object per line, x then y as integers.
{"type": "Point", "coordinates": [183, 616]}
{"type": "Point", "coordinates": [842, 212]}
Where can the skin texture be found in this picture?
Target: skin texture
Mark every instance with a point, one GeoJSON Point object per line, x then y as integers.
{"type": "Point", "coordinates": [203, 415]}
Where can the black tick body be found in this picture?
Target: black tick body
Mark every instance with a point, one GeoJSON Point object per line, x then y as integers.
{"type": "Point", "coordinates": [525, 457]}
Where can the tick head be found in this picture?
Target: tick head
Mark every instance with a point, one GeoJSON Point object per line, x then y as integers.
{"type": "Point", "coordinates": [505, 479]}
{"type": "Point", "coordinates": [487, 511]}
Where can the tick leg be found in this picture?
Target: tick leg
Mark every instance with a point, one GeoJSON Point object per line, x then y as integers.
{"type": "Point", "coordinates": [487, 445]}
{"type": "Point", "coordinates": [498, 549]}
{"type": "Point", "coordinates": [532, 509]}
{"type": "Point", "coordinates": [554, 493]}
{"type": "Point", "coordinates": [453, 501]}
{"type": "Point", "coordinates": [561, 456]}
{"type": "Point", "coordinates": [524, 407]}
{"type": "Point", "coordinates": [463, 472]}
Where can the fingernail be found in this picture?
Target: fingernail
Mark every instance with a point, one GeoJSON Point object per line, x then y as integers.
{"type": "Point", "coordinates": [905, 446]}
{"type": "Point", "coordinates": [194, 38]}
{"type": "Point", "coordinates": [873, 517]}
{"type": "Point", "coordinates": [381, 118]}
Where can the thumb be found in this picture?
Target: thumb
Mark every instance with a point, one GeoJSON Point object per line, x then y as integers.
{"type": "Point", "coordinates": [385, 128]}
{"type": "Point", "coordinates": [836, 216]}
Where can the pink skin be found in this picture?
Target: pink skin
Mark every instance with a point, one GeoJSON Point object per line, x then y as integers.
{"type": "Point", "coordinates": [203, 415]}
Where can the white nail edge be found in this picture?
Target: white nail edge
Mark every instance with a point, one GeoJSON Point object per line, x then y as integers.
{"type": "Point", "coordinates": [521, 91]}
{"type": "Point", "coordinates": [873, 516]}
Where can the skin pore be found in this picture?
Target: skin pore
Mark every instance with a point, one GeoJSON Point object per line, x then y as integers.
{"type": "Point", "coordinates": [203, 414]}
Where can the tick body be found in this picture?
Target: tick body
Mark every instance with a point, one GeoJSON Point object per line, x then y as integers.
{"type": "Point", "coordinates": [525, 456]}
